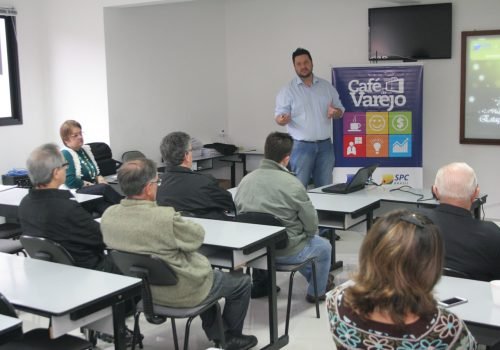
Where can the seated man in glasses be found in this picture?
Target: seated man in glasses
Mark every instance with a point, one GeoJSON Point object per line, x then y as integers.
{"type": "Point", "coordinates": [186, 190]}
{"type": "Point", "coordinates": [139, 225]}
{"type": "Point", "coordinates": [53, 213]}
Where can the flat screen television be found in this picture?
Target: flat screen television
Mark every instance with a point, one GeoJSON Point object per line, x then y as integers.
{"type": "Point", "coordinates": [410, 32]}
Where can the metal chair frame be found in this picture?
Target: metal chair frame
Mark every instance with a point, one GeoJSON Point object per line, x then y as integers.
{"type": "Point", "coordinates": [271, 220]}
{"type": "Point", "coordinates": [154, 271]}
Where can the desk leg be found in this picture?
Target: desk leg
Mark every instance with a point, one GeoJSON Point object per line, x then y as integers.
{"type": "Point", "coordinates": [333, 242]}
{"type": "Point", "coordinates": [274, 341]}
{"type": "Point", "coordinates": [244, 163]}
{"type": "Point", "coordinates": [233, 174]}
{"type": "Point", "coordinates": [119, 325]}
{"type": "Point", "coordinates": [369, 220]}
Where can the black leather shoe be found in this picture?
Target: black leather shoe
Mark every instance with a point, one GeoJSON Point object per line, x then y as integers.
{"type": "Point", "coordinates": [240, 342]}
{"type": "Point", "coordinates": [311, 299]}
{"type": "Point", "coordinates": [261, 291]}
{"type": "Point", "coordinates": [129, 336]}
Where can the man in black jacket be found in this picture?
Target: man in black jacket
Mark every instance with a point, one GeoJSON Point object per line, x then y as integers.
{"type": "Point", "coordinates": [186, 190]}
{"type": "Point", "coordinates": [46, 211]}
{"type": "Point", "coordinates": [472, 246]}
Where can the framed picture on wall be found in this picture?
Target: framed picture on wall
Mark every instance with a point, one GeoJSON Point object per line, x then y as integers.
{"type": "Point", "coordinates": [10, 91]}
{"type": "Point", "coordinates": [480, 88]}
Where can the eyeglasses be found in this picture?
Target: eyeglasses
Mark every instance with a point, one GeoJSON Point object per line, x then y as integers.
{"type": "Point", "coordinates": [158, 182]}
{"type": "Point", "coordinates": [62, 166]}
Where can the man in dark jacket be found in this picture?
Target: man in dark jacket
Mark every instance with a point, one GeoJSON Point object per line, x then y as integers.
{"type": "Point", "coordinates": [46, 211]}
{"type": "Point", "coordinates": [472, 246]}
{"type": "Point", "coordinates": [186, 190]}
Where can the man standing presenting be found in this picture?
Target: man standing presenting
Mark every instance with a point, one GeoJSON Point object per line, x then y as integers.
{"type": "Point", "coordinates": [306, 106]}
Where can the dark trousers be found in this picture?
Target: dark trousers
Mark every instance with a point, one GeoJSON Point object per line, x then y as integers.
{"type": "Point", "coordinates": [235, 288]}
{"type": "Point", "coordinates": [109, 197]}
{"type": "Point", "coordinates": [259, 278]}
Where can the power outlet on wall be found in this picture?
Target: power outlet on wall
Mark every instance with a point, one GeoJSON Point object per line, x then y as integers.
{"type": "Point", "coordinates": [222, 136]}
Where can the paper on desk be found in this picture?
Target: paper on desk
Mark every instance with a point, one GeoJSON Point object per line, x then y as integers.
{"type": "Point", "coordinates": [6, 187]}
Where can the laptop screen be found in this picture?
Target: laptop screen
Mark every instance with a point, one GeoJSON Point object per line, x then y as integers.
{"type": "Point", "coordinates": [363, 174]}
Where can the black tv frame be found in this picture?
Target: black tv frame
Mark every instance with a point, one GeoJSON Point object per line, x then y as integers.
{"type": "Point", "coordinates": [429, 28]}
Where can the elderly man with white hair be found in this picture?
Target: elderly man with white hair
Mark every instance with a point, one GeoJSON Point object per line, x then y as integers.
{"type": "Point", "coordinates": [472, 246]}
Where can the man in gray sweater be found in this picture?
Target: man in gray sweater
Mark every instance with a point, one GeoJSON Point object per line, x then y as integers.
{"type": "Point", "coordinates": [273, 189]}
{"type": "Point", "coordinates": [139, 225]}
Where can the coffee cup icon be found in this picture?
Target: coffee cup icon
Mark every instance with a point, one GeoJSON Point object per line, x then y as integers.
{"type": "Point", "coordinates": [355, 126]}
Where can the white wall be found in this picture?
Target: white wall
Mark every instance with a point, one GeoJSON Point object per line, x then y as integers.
{"type": "Point", "coordinates": [63, 72]}
{"type": "Point", "coordinates": [261, 36]}
{"type": "Point", "coordinates": [63, 75]}
{"type": "Point", "coordinates": [166, 72]}
{"type": "Point", "coordinates": [76, 69]}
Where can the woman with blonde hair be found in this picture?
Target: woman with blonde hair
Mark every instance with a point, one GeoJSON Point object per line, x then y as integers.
{"type": "Point", "coordinates": [390, 304]}
{"type": "Point", "coordinates": [83, 173]}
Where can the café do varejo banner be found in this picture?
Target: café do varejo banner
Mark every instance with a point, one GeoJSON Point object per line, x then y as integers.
{"type": "Point", "coordinates": [382, 123]}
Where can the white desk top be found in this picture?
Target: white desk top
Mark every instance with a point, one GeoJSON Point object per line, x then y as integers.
{"type": "Point", "coordinates": [14, 196]}
{"type": "Point", "coordinates": [479, 308]}
{"type": "Point", "coordinates": [234, 235]}
{"type": "Point", "coordinates": [341, 203]}
{"type": "Point", "coordinates": [8, 323]}
{"type": "Point", "coordinates": [6, 187]}
{"type": "Point", "coordinates": [333, 202]}
{"type": "Point", "coordinates": [386, 193]}
{"type": "Point", "coordinates": [55, 289]}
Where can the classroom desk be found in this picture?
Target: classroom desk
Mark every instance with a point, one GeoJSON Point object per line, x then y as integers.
{"type": "Point", "coordinates": [70, 296]}
{"type": "Point", "coordinates": [10, 200]}
{"type": "Point", "coordinates": [401, 195]}
{"type": "Point", "coordinates": [202, 163]}
{"type": "Point", "coordinates": [239, 157]}
{"type": "Point", "coordinates": [231, 244]}
{"type": "Point", "coordinates": [10, 328]}
{"type": "Point", "coordinates": [480, 314]}
{"type": "Point", "coordinates": [339, 213]}
{"type": "Point", "coordinates": [342, 213]}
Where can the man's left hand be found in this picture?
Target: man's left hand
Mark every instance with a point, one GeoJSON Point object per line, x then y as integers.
{"type": "Point", "coordinates": [334, 112]}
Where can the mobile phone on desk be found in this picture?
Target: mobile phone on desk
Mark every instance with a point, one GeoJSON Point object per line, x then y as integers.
{"type": "Point", "coordinates": [452, 301]}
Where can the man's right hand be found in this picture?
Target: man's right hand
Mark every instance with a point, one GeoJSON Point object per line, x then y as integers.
{"type": "Point", "coordinates": [283, 119]}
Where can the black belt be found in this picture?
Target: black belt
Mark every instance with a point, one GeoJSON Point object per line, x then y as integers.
{"type": "Point", "coordinates": [318, 141]}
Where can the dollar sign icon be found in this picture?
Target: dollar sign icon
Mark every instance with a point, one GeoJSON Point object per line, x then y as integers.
{"type": "Point", "coordinates": [400, 123]}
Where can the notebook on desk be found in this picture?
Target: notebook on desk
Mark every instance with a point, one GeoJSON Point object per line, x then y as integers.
{"type": "Point", "coordinates": [357, 182]}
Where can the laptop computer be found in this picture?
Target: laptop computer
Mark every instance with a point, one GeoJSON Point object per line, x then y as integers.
{"type": "Point", "coordinates": [357, 182]}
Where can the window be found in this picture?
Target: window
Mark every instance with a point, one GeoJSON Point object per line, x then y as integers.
{"type": "Point", "coordinates": [10, 91]}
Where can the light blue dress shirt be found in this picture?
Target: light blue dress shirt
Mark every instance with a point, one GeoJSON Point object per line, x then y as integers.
{"type": "Point", "coordinates": [308, 107]}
